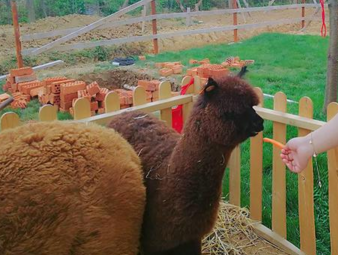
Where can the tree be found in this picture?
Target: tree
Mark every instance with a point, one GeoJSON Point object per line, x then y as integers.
{"type": "Point", "coordinates": [125, 4]}
{"type": "Point", "coordinates": [31, 10]}
{"type": "Point", "coordinates": [180, 5]}
{"type": "Point", "coordinates": [332, 63]}
{"type": "Point", "coordinates": [197, 6]}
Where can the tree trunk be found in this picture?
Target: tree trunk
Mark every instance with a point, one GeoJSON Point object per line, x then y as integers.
{"type": "Point", "coordinates": [197, 6]}
{"type": "Point", "coordinates": [125, 4]}
{"type": "Point", "coordinates": [332, 63]}
{"type": "Point", "coordinates": [31, 10]}
{"type": "Point", "coordinates": [230, 4]}
{"type": "Point", "coordinates": [180, 5]}
{"type": "Point", "coordinates": [44, 8]}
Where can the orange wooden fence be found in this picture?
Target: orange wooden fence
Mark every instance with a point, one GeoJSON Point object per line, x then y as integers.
{"type": "Point", "coordinates": [281, 119]}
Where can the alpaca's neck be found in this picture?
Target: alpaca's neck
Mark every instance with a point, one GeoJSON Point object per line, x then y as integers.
{"type": "Point", "coordinates": [198, 164]}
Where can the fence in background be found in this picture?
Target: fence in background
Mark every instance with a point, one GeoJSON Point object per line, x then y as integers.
{"type": "Point", "coordinates": [111, 22]}
{"type": "Point", "coordinates": [281, 120]}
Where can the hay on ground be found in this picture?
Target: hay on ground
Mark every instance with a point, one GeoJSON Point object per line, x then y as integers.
{"type": "Point", "coordinates": [233, 235]}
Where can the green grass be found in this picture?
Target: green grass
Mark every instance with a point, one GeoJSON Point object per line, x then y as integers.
{"type": "Point", "coordinates": [295, 65]}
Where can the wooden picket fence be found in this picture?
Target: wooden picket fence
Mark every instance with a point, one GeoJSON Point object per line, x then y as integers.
{"type": "Point", "coordinates": [281, 119]}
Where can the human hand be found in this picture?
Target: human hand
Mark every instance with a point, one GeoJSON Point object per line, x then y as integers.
{"type": "Point", "coordinates": [296, 154]}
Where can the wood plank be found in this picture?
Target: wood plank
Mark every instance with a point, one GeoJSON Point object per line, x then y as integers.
{"type": "Point", "coordinates": [289, 119]}
{"type": "Point", "coordinates": [305, 191]}
{"type": "Point", "coordinates": [82, 109]}
{"type": "Point", "coordinates": [332, 155]}
{"type": "Point", "coordinates": [105, 118]}
{"type": "Point", "coordinates": [89, 27]}
{"type": "Point", "coordinates": [86, 45]}
{"type": "Point", "coordinates": [256, 170]}
{"type": "Point", "coordinates": [48, 113]}
{"type": "Point", "coordinates": [276, 239]}
{"type": "Point", "coordinates": [9, 120]}
{"type": "Point", "coordinates": [235, 177]}
{"type": "Point", "coordinates": [278, 172]}
{"type": "Point", "coordinates": [139, 96]}
{"type": "Point", "coordinates": [267, 114]}
{"type": "Point", "coordinates": [187, 107]}
{"type": "Point", "coordinates": [165, 93]}
{"type": "Point", "coordinates": [197, 85]}
{"type": "Point", "coordinates": [112, 102]}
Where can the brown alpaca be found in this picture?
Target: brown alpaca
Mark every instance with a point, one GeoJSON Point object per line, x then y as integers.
{"type": "Point", "coordinates": [69, 189]}
{"type": "Point", "coordinates": [183, 174]}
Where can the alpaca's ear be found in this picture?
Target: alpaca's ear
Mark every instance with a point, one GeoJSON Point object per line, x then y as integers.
{"type": "Point", "coordinates": [243, 71]}
{"type": "Point", "coordinates": [211, 87]}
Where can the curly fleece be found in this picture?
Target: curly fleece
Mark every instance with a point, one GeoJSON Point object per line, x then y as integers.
{"type": "Point", "coordinates": [183, 174]}
{"type": "Point", "coordinates": [69, 188]}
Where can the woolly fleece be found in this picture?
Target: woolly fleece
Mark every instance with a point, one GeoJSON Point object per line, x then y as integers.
{"type": "Point", "coordinates": [68, 188]}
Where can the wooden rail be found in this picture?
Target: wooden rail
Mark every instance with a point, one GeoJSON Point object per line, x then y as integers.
{"type": "Point", "coordinates": [103, 23]}
{"type": "Point", "coordinates": [280, 119]}
{"type": "Point", "coordinates": [86, 45]}
{"type": "Point", "coordinates": [117, 23]}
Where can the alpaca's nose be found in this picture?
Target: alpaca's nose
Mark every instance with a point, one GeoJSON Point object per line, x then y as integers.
{"type": "Point", "coordinates": [259, 124]}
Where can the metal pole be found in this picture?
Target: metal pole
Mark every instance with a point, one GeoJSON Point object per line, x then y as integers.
{"type": "Point", "coordinates": [155, 41]}
{"type": "Point", "coordinates": [235, 21]}
{"type": "Point", "coordinates": [17, 34]}
{"type": "Point", "coordinates": [6, 103]}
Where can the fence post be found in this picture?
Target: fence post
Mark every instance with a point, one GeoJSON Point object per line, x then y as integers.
{"type": "Point", "coordinates": [188, 19]}
{"type": "Point", "coordinates": [17, 34]}
{"type": "Point", "coordinates": [139, 96]}
{"type": "Point", "coordinates": [278, 172]}
{"type": "Point", "coordinates": [165, 93]}
{"type": "Point", "coordinates": [197, 85]}
{"type": "Point", "coordinates": [256, 169]}
{"type": "Point", "coordinates": [187, 107]}
{"type": "Point", "coordinates": [303, 14]}
{"type": "Point", "coordinates": [48, 113]}
{"type": "Point", "coordinates": [154, 22]}
{"type": "Point", "coordinates": [235, 177]}
{"type": "Point", "coordinates": [82, 109]}
{"type": "Point", "coordinates": [112, 102]}
{"type": "Point", "coordinates": [9, 120]}
{"type": "Point", "coordinates": [332, 156]}
{"type": "Point", "coordinates": [305, 191]}
{"type": "Point", "coordinates": [235, 21]}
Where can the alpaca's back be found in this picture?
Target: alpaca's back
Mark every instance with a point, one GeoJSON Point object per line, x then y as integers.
{"type": "Point", "coordinates": [151, 138]}
{"type": "Point", "coordinates": [69, 189]}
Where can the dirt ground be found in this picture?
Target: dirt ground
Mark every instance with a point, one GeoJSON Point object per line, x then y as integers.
{"type": "Point", "coordinates": [164, 26]}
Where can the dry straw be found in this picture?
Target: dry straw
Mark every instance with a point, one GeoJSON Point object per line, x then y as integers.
{"type": "Point", "coordinates": [233, 235]}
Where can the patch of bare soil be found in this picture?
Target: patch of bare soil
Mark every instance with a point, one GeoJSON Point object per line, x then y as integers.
{"type": "Point", "coordinates": [115, 79]}
{"type": "Point", "coordinates": [164, 26]}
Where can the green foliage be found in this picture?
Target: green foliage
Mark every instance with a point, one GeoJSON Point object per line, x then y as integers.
{"type": "Point", "coordinates": [45, 8]}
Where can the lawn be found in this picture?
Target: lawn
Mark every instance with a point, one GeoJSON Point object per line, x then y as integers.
{"type": "Point", "coordinates": [295, 65]}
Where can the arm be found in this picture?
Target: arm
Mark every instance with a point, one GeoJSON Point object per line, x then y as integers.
{"type": "Point", "coordinates": [298, 151]}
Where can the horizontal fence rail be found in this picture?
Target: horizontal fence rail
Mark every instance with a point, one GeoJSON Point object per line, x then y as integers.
{"type": "Point", "coordinates": [68, 34]}
{"type": "Point", "coordinates": [86, 45]}
{"type": "Point", "coordinates": [117, 23]}
{"type": "Point", "coordinates": [280, 119]}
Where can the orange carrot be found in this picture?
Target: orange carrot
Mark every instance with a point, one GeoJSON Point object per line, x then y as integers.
{"type": "Point", "coordinates": [274, 142]}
